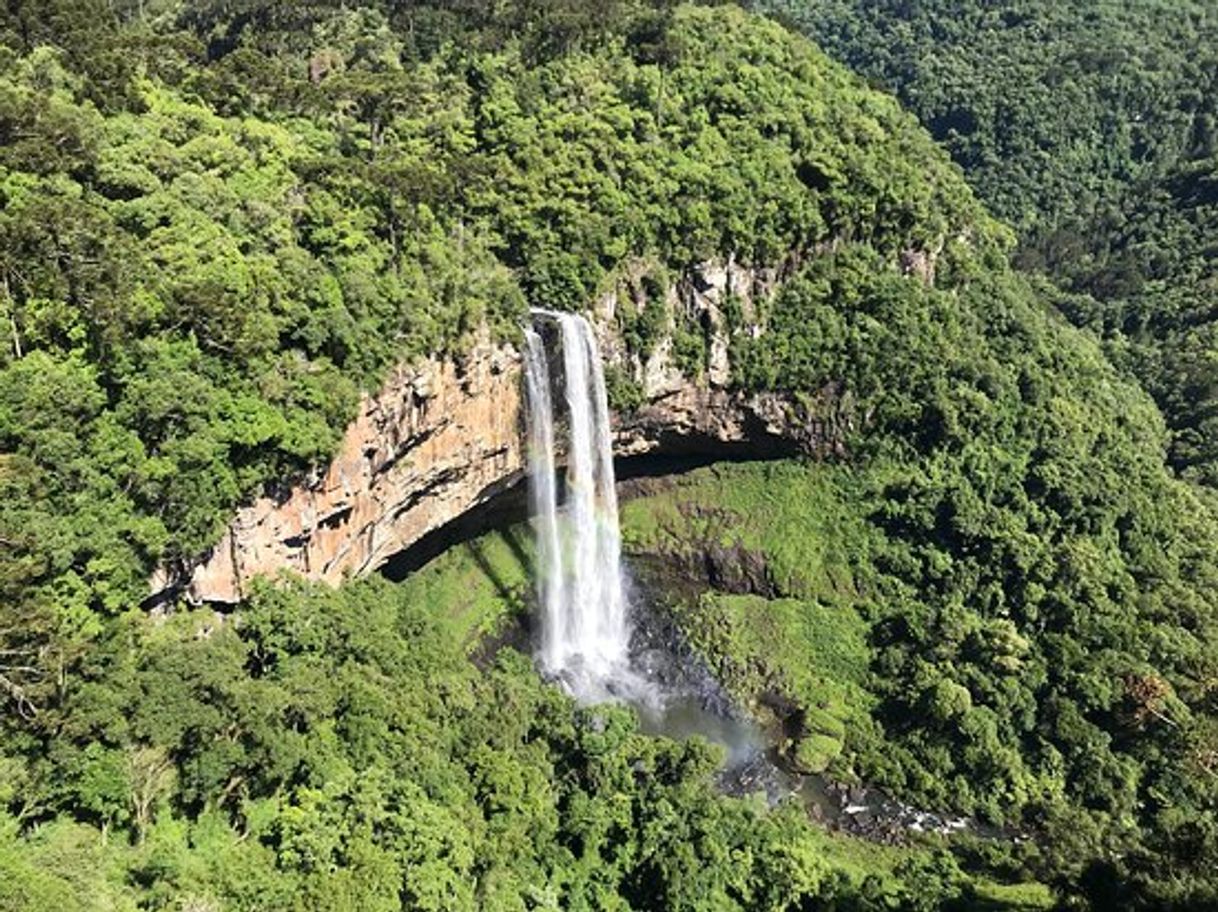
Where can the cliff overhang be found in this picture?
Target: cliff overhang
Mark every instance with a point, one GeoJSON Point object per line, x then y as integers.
{"type": "Point", "coordinates": [443, 442]}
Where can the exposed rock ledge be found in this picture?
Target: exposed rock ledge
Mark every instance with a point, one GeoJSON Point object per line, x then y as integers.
{"type": "Point", "coordinates": [443, 437]}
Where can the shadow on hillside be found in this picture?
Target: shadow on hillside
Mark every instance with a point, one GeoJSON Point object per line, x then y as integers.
{"type": "Point", "coordinates": [509, 536]}
{"type": "Point", "coordinates": [506, 504]}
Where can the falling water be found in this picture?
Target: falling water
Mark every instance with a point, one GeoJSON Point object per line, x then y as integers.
{"type": "Point", "coordinates": [585, 633]}
{"type": "Point", "coordinates": [544, 502]}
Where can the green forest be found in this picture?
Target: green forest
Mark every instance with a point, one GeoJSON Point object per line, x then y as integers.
{"type": "Point", "coordinates": [222, 221]}
{"type": "Point", "coordinates": [1092, 128]}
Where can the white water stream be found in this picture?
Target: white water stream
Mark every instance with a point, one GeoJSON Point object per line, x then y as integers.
{"type": "Point", "coordinates": [585, 631]}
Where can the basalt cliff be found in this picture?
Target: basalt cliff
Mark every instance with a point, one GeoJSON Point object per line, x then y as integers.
{"type": "Point", "coordinates": [445, 437]}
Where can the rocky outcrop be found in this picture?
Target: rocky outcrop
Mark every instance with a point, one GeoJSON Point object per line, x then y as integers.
{"type": "Point", "coordinates": [445, 436]}
{"type": "Point", "coordinates": [440, 437]}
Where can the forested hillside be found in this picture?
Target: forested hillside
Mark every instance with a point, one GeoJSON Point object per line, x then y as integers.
{"type": "Point", "coordinates": [223, 220]}
{"type": "Point", "coordinates": [197, 284]}
{"type": "Point", "coordinates": [1092, 128]}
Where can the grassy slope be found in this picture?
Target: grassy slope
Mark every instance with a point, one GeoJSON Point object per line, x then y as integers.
{"type": "Point", "coordinates": [808, 646]}
{"type": "Point", "coordinates": [477, 586]}
{"type": "Point", "coordinates": [792, 513]}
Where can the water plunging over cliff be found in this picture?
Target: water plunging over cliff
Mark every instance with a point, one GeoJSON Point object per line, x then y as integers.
{"type": "Point", "coordinates": [585, 632]}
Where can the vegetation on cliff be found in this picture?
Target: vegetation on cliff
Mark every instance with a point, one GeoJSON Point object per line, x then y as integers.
{"type": "Point", "coordinates": [1092, 127]}
{"type": "Point", "coordinates": [196, 283]}
{"type": "Point", "coordinates": [223, 220]}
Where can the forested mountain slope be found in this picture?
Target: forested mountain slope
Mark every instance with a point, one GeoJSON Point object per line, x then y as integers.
{"type": "Point", "coordinates": [221, 221]}
{"type": "Point", "coordinates": [1093, 129]}
{"type": "Point", "coordinates": [198, 289]}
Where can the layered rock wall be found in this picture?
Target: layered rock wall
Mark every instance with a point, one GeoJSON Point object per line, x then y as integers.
{"type": "Point", "coordinates": [445, 436]}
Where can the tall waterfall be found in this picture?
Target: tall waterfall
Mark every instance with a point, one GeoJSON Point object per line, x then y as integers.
{"type": "Point", "coordinates": [585, 631]}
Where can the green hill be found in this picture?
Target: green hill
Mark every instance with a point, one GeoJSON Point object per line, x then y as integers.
{"type": "Point", "coordinates": [222, 220]}
{"type": "Point", "coordinates": [1091, 128]}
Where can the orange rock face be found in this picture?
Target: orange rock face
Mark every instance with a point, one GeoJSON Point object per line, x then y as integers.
{"type": "Point", "coordinates": [437, 440]}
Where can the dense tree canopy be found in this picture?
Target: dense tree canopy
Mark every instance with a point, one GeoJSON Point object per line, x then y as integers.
{"type": "Point", "coordinates": [1041, 595]}
{"type": "Point", "coordinates": [195, 293]}
{"type": "Point", "coordinates": [1092, 127]}
{"type": "Point", "coordinates": [222, 221]}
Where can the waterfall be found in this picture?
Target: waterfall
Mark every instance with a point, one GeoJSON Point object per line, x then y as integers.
{"type": "Point", "coordinates": [585, 632]}
{"type": "Point", "coordinates": [542, 496]}
{"type": "Point", "coordinates": [585, 628]}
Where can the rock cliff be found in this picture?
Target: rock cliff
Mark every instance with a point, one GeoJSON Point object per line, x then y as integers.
{"type": "Point", "coordinates": [445, 436]}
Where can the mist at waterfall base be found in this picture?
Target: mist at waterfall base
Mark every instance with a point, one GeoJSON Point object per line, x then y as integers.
{"type": "Point", "coordinates": [587, 640]}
